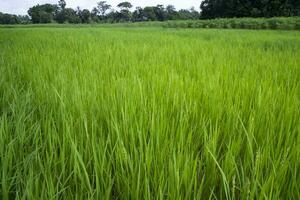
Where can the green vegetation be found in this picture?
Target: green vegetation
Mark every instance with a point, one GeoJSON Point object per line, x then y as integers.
{"type": "Point", "coordinates": [210, 9]}
{"type": "Point", "coordinates": [284, 23]}
{"type": "Point", "coordinates": [149, 113]}
{"type": "Point", "coordinates": [102, 13]}
{"type": "Point", "coordinates": [281, 23]}
{"type": "Point", "coordinates": [13, 19]}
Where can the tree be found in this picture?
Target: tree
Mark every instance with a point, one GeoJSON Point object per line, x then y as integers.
{"type": "Point", "coordinates": [194, 14]}
{"type": "Point", "coordinates": [124, 5]}
{"type": "Point", "coordinates": [62, 4]}
{"type": "Point", "coordinates": [94, 15]}
{"type": "Point", "coordinates": [23, 19]}
{"type": "Point", "coordinates": [124, 15]}
{"type": "Point", "coordinates": [102, 7]}
{"type": "Point", "coordinates": [171, 12]}
{"type": "Point", "coordinates": [249, 8]}
{"type": "Point", "coordinates": [71, 16]}
{"type": "Point", "coordinates": [68, 15]}
{"type": "Point", "coordinates": [14, 19]}
{"type": "Point", "coordinates": [160, 13]}
{"type": "Point", "coordinates": [85, 16]}
{"type": "Point", "coordinates": [61, 15]}
{"type": "Point", "coordinates": [149, 13]}
{"type": "Point", "coordinates": [113, 16]}
{"type": "Point", "coordinates": [8, 19]}
{"type": "Point", "coordinates": [42, 13]}
{"type": "Point", "coordinates": [138, 15]}
{"type": "Point", "coordinates": [64, 14]}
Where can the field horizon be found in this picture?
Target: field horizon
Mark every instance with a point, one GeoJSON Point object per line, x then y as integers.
{"type": "Point", "coordinates": [273, 23]}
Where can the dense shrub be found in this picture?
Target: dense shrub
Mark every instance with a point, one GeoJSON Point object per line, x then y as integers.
{"type": "Point", "coordinates": [286, 23]}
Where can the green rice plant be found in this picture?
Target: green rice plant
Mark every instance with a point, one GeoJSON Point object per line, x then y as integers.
{"type": "Point", "coordinates": [149, 113]}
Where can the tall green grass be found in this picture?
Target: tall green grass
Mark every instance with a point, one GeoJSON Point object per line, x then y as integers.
{"type": "Point", "coordinates": [149, 113]}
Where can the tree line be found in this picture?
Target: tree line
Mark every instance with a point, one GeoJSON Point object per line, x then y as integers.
{"type": "Point", "coordinates": [103, 12]}
{"type": "Point", "coordinates": [14, 19]}
{"type": "Point", "coordinates": [211, 9]}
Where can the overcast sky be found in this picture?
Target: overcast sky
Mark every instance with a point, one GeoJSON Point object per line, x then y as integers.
{"type": "Point", "coordinates": [21, 6]}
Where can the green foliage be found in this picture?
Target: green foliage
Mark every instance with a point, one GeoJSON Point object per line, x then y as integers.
{"type": "Point", "coordinates": [13, 19]}
{"type": "Point", "coordinates": [188, 14]}
{"type": "Point", "coordinates": [149, 13]}
{"type": "Point", "coordinates": [171, 12]}
{"type": "Point", "coordinates": [249, 8]}
{"type": "Point", "coordinates": [100, 13]}
{"type": "Point", "coordinates": [42, 13]}
{"type": "Point", "coordinates": [62, 4]}
{"type": "Point", "coordinates": [102, 7]}
{"type": "Point", "coordinates": [84, 15]}
{"type": "Point", "coordinates": [125, 5]}
{"type": "Point", "coordinates": [68, 15]}
{"type": "Point", "coordinates": [210, 9]}
{"type": "Point", "coordinates": [284, 23]}
{"type": "Point", "coordinates": [149, 113]}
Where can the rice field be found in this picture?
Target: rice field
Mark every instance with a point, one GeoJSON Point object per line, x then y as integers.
{"type": "Point", "coordinates": [149, 113]}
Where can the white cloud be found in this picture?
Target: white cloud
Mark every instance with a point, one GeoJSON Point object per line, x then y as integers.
{"type": "Point", "coordinates": [21, 6]}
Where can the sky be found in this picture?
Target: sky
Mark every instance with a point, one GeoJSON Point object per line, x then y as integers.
{"type": "Point", "coordinates": [20, 7]}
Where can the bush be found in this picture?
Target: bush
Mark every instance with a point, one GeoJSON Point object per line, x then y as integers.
{"type": "Point", "coordinates": [284, 23]}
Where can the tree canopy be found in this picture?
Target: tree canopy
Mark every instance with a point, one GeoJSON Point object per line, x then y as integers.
{"type": "Point", "coordinates": [102, 12]}
{"type": "Point", "coordinates": [125, 5]}
{"type": "Point", "coordinates": [249, 8]}
{"type": "Point", "coordinates": [42, 13]}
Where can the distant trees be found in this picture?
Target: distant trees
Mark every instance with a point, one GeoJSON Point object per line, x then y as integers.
{"type": "Point", "coordinates": [149, 14]}
{"type": "Point", "coordinates": [62, 4]}
{"type": "Point", "coordinates": [125, 5]}
{"type": "Point", "coordinates": [84, 15]}
{"type": "Point", "coordinates": [160, 13]}
{"type": "Point", "coordinates": [42, 13]}
{"type": "Point", "coordinates": [249, 8]}
{"type": "Point", "coordinates": [124, 14]}
{"type": "Point", "coordinates": [63, 14]}
{"type": "Point", "coordinates": [23, 19]}
{"type": "Point", "coordinates": [13, 19]}
{"type": "Point", "coordinates": [171, 12]}
{"type": "Point", "coordinates": [102, 12]}
{"type": "Point", "coordinates": [68, 15]}
{"type": "Point", "coordinates": [98, 13]}
{"type": "Point", "coordinates": [188, 14]}
{"type": "Point", "coordinates": [138, 15]}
